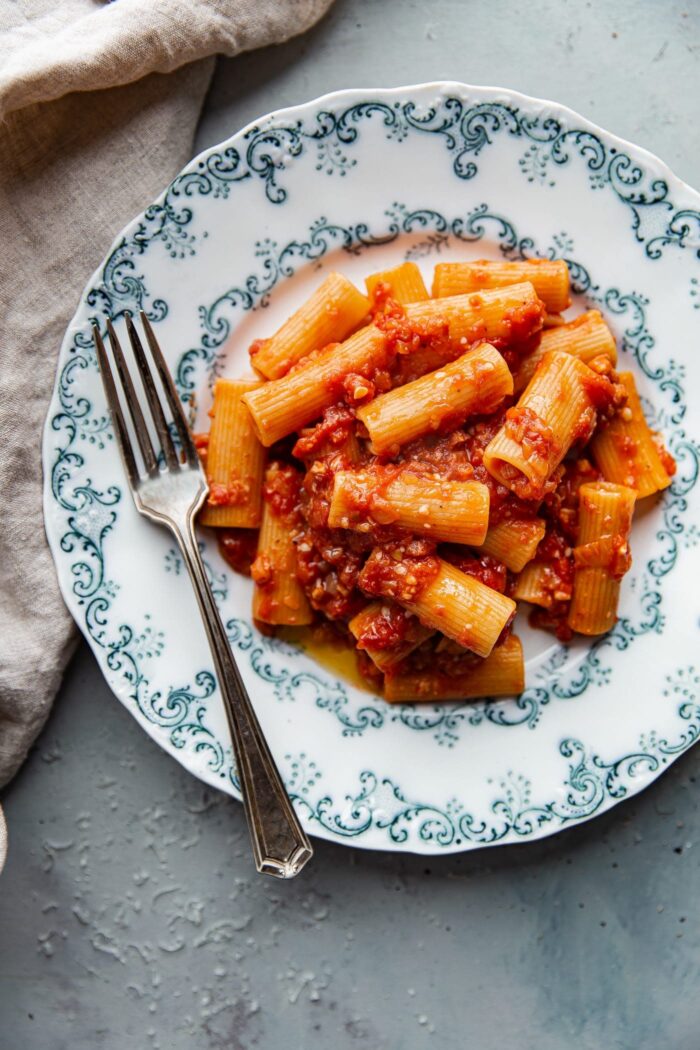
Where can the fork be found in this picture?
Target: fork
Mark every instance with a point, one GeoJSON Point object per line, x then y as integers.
{"type": "Point", "coordinates": [169, 488]}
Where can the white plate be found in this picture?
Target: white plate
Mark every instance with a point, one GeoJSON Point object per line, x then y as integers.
{"type": "Point", "coordinates": [355, 181]}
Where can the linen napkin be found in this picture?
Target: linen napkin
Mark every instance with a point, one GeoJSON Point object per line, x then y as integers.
{"type": "Point", "coordinates": [98, 106]}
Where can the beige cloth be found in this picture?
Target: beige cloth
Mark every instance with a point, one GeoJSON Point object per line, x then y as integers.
{"type": "Point", "coordinates": [91, 130]}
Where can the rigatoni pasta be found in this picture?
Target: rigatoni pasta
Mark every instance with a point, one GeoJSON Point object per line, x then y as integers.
{"type": "Point", "coordinates": [602, 555]}
{"type": "Point", "coordinates": [452, 511]}
{"type": "Point", "coordinates": [557, 408]}
{"type": "Point", "coordinates": [387, 634]}
{"type": "Point", "coordinates": [509, 314]}
{"type": "Point", "coordinates": [284, 405]}
{"type": "Point", "coordinates": [449, 600]}
{"type": "Point", "coordinates": [549, 278]}
{"type": "Point", "coordinates": [625, 450]}
{"type": "Point", "coordinates": [403, 283]}
{"type": "Point", "coordinates": [500, 674]}
{"type": "Point", "coordinates": [513, 541]}
{"type": "Point", "coordinates": [328, 316]}
{"type": "Point", "coordinates": [474, 384]}
{"type": "Point", "coordinates": [424, 480]}
{"type": "Point", "coordinates": [235, 460]}
{"type": "Point", "coordinates": [278, 597]}
{"type": "Point", "coordinates": [586, 337]}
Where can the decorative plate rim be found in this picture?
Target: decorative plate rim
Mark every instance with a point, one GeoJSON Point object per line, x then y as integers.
{"type": "Point", "coordinates": [335, 99]}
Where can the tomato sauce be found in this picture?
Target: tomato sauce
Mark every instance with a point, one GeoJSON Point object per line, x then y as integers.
{"type": "Point", "coordinates": [281, 491]}
{"type": "Point", "coordinates": [667, 460]}
{"type": "Point", "coordinates": [392, 626]}
{"type": "Point", "coordinates": [237, 547]}
{"type": "Point", "coordinates": [400, 572]}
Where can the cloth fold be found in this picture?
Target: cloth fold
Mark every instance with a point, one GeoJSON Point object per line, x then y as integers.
{"type": "Point", "coordinates": [84, 89]}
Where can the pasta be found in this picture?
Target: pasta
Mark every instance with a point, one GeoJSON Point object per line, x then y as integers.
{"type": "Point", "coordinates": [453, 511]}
{"type": "Point", "coordinates": [557, 408]}
{"type": "Point", "coordinates": [332, 312]}
{"type": "Point", "coordinates": [512, 313]}
{"type": "Point", "coordinates": [549, 278]}
{"type": "Point", "coordinates": [235, 460]}
{"type": "Point", "coordinates": [625, 450]}
{"type": "Point", "coordinates": [475, 383]}
{"type": "Point", "coordinates": [513, 541]}
{"type": "Point", "coordinates": [445, 599]}
{"type": "Point", "coordinates": [278, 597]}
{"type": "Point", "coordinates": [404, 283]}
{"type": "Point", "coordinates": [433, 462]}
{"type": "Point", "coordinates": [586, 337]}
{"type": "Point", "coordinates": [500, 674]}
{"type": "Point", "coordinates": [602, 555]}
{"type": "Point", "coordinates": [284, 405]}
{"type": "Point", "coordinates": [533, 586]}
{"type": "Point", "coordinates": [381, 621]}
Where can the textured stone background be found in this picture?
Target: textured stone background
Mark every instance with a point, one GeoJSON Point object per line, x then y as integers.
{"type": "Point", "coordinates": [129, 916]}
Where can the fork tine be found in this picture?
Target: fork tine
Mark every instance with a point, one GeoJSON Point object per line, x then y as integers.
{"type": "Point", "coordinates": [142, 435]}
{"type": "Point", "coordinates": [123, 439]}
{"type": "Point", "coordinates": [152, 396]}
{"type": "Point", "coordinates": [170, 392]}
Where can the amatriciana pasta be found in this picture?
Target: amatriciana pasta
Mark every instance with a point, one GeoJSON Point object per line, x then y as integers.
{"type": "Point", "coordinates": [405, 468]}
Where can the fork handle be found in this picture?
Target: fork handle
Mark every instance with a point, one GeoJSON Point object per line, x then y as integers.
{"type": "Point", "coordinates": [280, 845]}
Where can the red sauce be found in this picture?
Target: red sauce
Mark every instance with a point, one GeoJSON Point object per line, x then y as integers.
{"type": "Point", "coordinates": [335, 428]}
{"type": "Point", "coordinates": [255, 348]}
{"type": "Point", "coordinates": [231, 495]}
{"type": "Point", "coordinates": [611, 553]}
{"type": "Point", "coordinates": [667, 460]}
{"type": "Point", "coordinates": [561, 507]}
{"type": "Point", "coordinates": [606, 397]}
{"type": "Point", "coordinates": [531, 432]}
{"type": "Point", "coordinates": [237, 547]}
{"type": "Point", "coordinates": [442, 655]}
{"type": "Point", "coordinates": [553, 620]}
{"type": "Point", "coordinates": [523, 320]}
{"type": "Point", "coordinates": [358, 390]}
{"type": "Point", "coordinates": [388, 629]}
{"type": "Point", "coordinates": [328, 565]}
{"type": "Point", "coordinates": [201, 443]}
{"type": "Point", "coordinates": [442, 456]}
{"type": "Point", "coordinates": [400, 572]}
{"type": "Point", "coordinates": [281, 490]}
{"type": "Point", "coordinates": [488, 570]}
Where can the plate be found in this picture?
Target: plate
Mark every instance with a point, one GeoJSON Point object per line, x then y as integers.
{"type": "Point", "coordinates": [356, 181]}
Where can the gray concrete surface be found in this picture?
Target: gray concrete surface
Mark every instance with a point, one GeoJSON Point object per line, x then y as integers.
{"type": "Point", "coordinates": [129, 917]}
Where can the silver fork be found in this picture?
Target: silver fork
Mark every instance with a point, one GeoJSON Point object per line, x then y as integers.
{"type": "Point", "coordinates": [171, 495]}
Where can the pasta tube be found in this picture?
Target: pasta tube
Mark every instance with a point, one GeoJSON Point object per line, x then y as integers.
{"type": "Point", "coordinates": [555, 410]}
{"type": "Point", "coordinates": [475, 383]}
{"type": "Point", "coordinates": [602, 556]}
{"type": "Point", "coordinates": [328, 316]}
{"type": "Point", "coordinates": [278, 597]}
{"type": "Point", "coordinates": [549, 278]}
{"type": "Point", "coordinates": [451, 601]}
{"type": "Point", "coordinates": [235, 460]}
{"type": "Point", "coordinates": [534, 585]}
{"type": "Point", "coordinates": [625, 452]}
{"type": "Point", "coordinates": [499, 313]}
{"type": "Point", "coordinates": [404, 283]}
{"type": "Point", "coordinates": [376, 618]}
{"type": "Point", "coordinates": [500, 674]}
{"type": "Point", "coordinates": [287, 404]}
{"type": "Point", "coordinates": [452, 511]}
{"type": "Point", "coordinates": [514, 541]}
{"type": "Point", "coordinates": [586, 337]}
